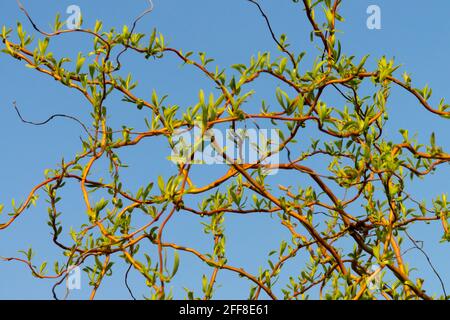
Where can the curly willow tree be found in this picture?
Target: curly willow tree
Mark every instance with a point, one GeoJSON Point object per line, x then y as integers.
{"type": "Point", "coordinates": [349, 222]}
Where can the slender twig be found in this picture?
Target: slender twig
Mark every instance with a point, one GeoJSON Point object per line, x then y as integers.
{"type": "Point", "coordinates": [58, 115]}
{"type": "Point", "coordinates": [414, 242]}
{"type": "Point", "coordinates": [135, 22]}
{"type": "Point", "coordinates": [272, 33]}
{"type": "Point", "coordinates": [126, 281]}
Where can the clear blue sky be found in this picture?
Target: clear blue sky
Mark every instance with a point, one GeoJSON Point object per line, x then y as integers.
{"type": "Point", "coordinates": [415, 32]}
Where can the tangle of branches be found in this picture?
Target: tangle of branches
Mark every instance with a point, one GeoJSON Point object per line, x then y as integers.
{"type": "Point", "coordinates": [374, 173]}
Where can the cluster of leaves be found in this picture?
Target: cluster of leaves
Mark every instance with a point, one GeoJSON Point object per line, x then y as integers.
{"type": "Point", "coordinates": [373, 172]}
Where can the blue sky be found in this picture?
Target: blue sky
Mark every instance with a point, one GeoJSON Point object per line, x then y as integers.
{"type": "Point", "coordinates": [414, 32]}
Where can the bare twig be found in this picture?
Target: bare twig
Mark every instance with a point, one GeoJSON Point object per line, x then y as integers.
{"type": "Point", "coordinates": [414, 242]}
{"type": "Point", "coordinates": [58, 115]}
{"type": "Point", "coordinates": [135, 22]}
{"type": "Point", "coordinates": [126, 281]}
{"type": "Point", "coordinates": [282, 47]}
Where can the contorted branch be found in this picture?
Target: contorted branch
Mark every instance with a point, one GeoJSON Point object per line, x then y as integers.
{"type": "Point", "coordinates": [346, 218]}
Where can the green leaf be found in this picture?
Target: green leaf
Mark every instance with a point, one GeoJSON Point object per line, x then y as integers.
{"type": "Point", "coordinates": [205, 284]}
{"type": "Point", "coordinates": [42, 268]}
{"type": "Point", "coordinates": [282, 65]}
{"type": "Point", "coordinates": [98, 26]}
{"type": "Point", "coordinates": [57, 24]}
{"type": "Point", "coordinates": [29, 254]}
{"type": "Point", "coordinates": [101, 205]}
{"type": "Point", "coordinates": [201, 97]}
{"type": "Point", "coordinates": [92, 70]}
{"type": "Point", "coordinates": [155, 100]}
{"type": "Point", "coordinates": [282, 247]}
{"type": "Point", "coordinates": [376, 251]}
{"type": "Point", "coordinates": [43, 45]}
{"type": "Point", "coordinates": [80, 62]}
{"type": "Point", "coordinates": [176, 263]}
{"type": "Point", "coordinates": [161, 183]}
